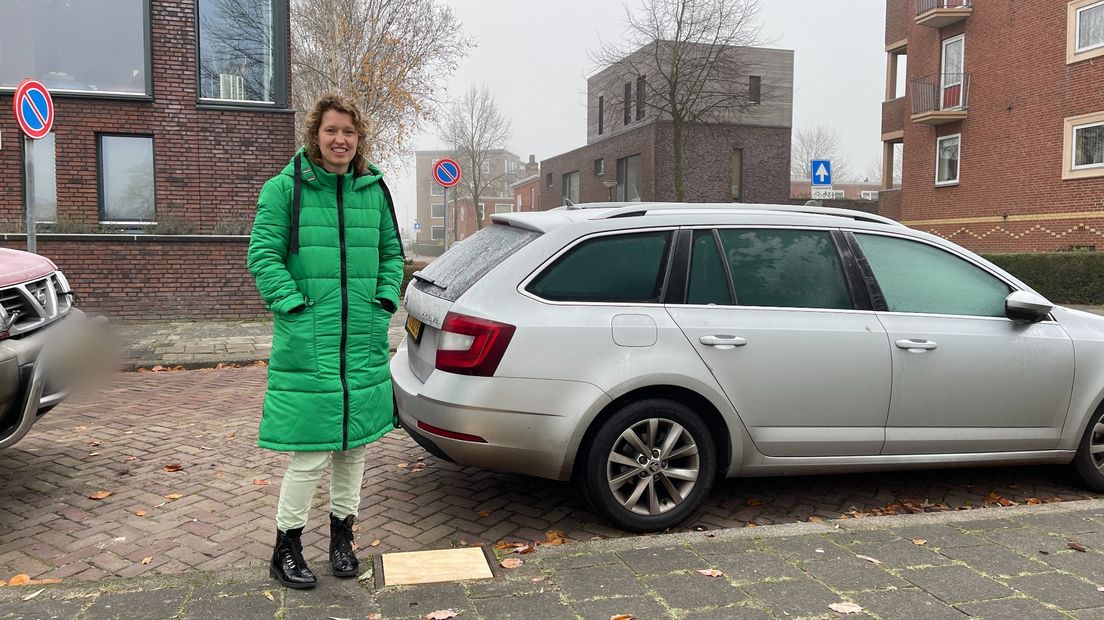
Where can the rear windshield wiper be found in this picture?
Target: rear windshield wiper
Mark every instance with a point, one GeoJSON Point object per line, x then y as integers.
{"type": "Point", "coordinates": [418, 275]}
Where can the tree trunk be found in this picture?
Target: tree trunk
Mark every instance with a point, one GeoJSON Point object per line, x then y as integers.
{"type": "Point", "coordinates": [676, 139]}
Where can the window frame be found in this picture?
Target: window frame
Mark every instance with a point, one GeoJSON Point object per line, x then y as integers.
{"type": "Point", "coordinates": [551, 261]}
{"type": "Point", "coordinates": [436, 204]}
{"type": "Point", "coordinates": [433, 235]}
{"type": "Point", "coordinates": [436, 189]}
{"type": "Point", "coordinates": [601, 113]}
{"type": "Point", "coordinates": [100, 178]}
{"type": "Point", "coordinates": [28, 180]}
{"type": "Point", "coordinates": [280, 74]}
{"type": "Point", "coordinates": [1074, 53]}
{"type": "Point", "coordinates": [755, 89]}
{"type": "Point", "coordinates": [641, 87]}
{"type": "Point", "coordinates": [147, 23]}
{"type": "Point", "coordinates": [958, 162]}
{"type": "Point", "coordinates": [1071, 125]}
{"type": "Point", "coordinates": [628, 102]}
{"type": "Point", "coordinates": [600, 167]}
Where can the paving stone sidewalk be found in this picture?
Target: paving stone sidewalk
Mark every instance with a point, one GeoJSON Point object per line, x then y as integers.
{"type": "Point", "coordinates": [1034, 562]}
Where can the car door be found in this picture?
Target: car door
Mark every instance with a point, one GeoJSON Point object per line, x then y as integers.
{"type": "Point", "coordinates": [771, 313]}
{"type": "Point", "coordinates": [965, 377]}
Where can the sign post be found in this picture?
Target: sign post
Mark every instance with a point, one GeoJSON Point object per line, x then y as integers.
{"type": "Point", "coordinates": [447, 174]}
{"type": "Point", "coordinates": [34, 112]}
{"type": "Point", "coordinates": [821, 176]}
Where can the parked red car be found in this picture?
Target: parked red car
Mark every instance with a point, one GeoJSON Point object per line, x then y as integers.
{"type": "Point", "coordinates": [46, 344]}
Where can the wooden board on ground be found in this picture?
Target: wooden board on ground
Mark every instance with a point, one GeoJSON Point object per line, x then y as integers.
{"type": "Point", "coordinates": [400, 569]}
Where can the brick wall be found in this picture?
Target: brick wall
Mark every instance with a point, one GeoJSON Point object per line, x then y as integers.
{"type": "Point", "coordinates": [208, 163]}
{"type": "Point", "coordinates": [1011, 195]}
{"type": "Point", "coordinates": [154, 277]}
{"type": "Point", "coordinates": [640, 141]}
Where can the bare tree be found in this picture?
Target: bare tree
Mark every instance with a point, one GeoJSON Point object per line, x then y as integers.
{"type": "Point", "coordinates": [818, 142]}
{"type": "Point", "coordinates": [474, 130]}
{"type": "Point", "coordinates": [390, 56]}
{"type": "Point", "coordinates": [874, 167]}
{"type": "Point", "coordinates": [683, 59]}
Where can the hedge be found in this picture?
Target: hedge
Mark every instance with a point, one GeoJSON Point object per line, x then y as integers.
{"type": "Point", "coordinates": [408, 272]}
{"type": "Point", "coordinates": [1061, 277]}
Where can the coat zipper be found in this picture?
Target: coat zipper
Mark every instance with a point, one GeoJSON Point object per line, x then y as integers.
{"type": "Point", "coordinates": [344, 314]}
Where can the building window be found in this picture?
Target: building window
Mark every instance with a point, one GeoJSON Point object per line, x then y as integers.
{"type": "Point", "coordinates": [76, 45]}
{"type": "Point", "coordinates": [548, 180]}
{"type": "Point", "coordinates": [755, 89]}
{"type": "Point", "coordinates": [737, 175]}
{"type": "Point", "coordinates": [1085, 28]}
{"type": "Point", "coordinates": [503, 208]}
{"type": "Point", "coordinates": [43, 179]}
{"type": "Point", "coordinates": [517, 201]}
{"type": "Point", "coordinates": [599, 167]}
{"type": "Point", "coordinates": [954, 67]}
{"type": "Point", "coordinates": [948, 151]}
{"type": "Point", "coordinates": [437, 233]}
{"type": "Point", "coordinates": [437, 211]}
{"type": "Point", "coordinates": [240, 51]}
{"type": "Point", "coordinates": [601, 114]}
{"type": "Point", "coordinates": [126, 179]}
{"type": "Point", "coordinates": [640, 99]}
{"type": "Point", "coordinates": [481, 212]}
{"type": "Point", "coordinates": [1083, 146]}
{"type": "Point", "coordinates": [485, 167]}
{"type": "Point", "coordinates": [628, 103]}
{"type": "Point", "coordinates": [436, 190]}
{"type": "Point", "coordinates": [628, 179]}
{"type": "Point", "coordinates": [571, 187]}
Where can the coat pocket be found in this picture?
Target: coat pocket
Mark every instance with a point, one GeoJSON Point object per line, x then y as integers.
{"type": "Point", "coordinates": [293, 346]}
{"type": "Point", "coordinates": [380, 353]}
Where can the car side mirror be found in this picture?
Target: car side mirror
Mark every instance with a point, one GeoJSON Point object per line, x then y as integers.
{"type": "Point", "coordinates": [1026, 307]}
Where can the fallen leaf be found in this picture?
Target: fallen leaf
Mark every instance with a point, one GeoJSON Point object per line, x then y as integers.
{"type": "Point", "coordinates": [403, 465]}
{"type": "Point", "coordinates": [754, 502]}
{"type": "Point", "coordinates": [30, 596]}
{"type": "Point", "coordinates": [375, 543]}
{"type": "Point", "coordinates": [131, 458]}
{"type": "Point", "coordinates": [710, 535]}
{"type": "Point", "coordinates": [441, 614]}
{"type": "Point", "coordinates": [1100, 588]}
{"type": "Point", "coordinates": [374, 616]}
{"type": "Point", "coordinates": [537, 579]}
{"type": "Point", "coordinates": [522, 550]}
{"type": "Point", "coordinates": [19, 580]}
{"type": "Point", "coordinates": [815, 519]}
{"type": "Point", "coordinates": [100, 495]}
{"type": "Point", "coordinates": [710, 572]}
{"type": "Point", "coordinates": [139, 513]}
{"type": "Point", "coordinates": [158, 368]}
{"type": "Point", "coordinates": [511, 563]}
{"type": "Point", "coordinates": [336, 618]}
{"type": "Point", "coordinates": [846, 608]}
{"type": "Point", "coordinates": [1076, 546]}
{"type": "Point", "coordinates": [1034, 501]}
{"type": "Point", "coordinates": [869, 559]}
{"type": "Point", "coordinates": [356, 547]}
{"type": "Point", "coordinates": [356, 527]}
{"type": "Point", "coordinates": [261, 482]}
{"type": "Point", "coordinates": [622, 617]}
{"type": "Point", "coordinates": [1043, 552]}
{"type": "Point", "coordinates": [993, 498]}
{"type": "Point", "coordinates": [93, 443]}
{"type": "Point", "coordinates": [93, 454]}
{"type": "Point", "coordinates": [751, 524]}
{"type": "Point", "coordinates": [174, 496]}
{"type": "Point", "coordinates": [555, 537]}
{"type": "Point", "coordinates": [268, 595]}
{"type": "Point", "coordinates": [173, 467]}
{"type": "Point", "coordinates": [418, 467]}
{"type": "Point", "coordinates": [147, 559]}
{"type": "Point", "coordinates": [484, 513]}
{"type": "Point", "coordinates": [919, 542]}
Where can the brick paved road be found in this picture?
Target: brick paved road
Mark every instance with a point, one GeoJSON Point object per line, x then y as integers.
{"type": "Point", "coordinates": [120, 438]}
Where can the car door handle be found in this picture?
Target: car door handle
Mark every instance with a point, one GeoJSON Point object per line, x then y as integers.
{"type": "Point", "coordinates": [916, 345]}
{"type": "Point", "coordinates": [723, 341]}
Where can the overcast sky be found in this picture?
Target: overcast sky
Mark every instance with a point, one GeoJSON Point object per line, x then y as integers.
{"type": "Point", "coordinates": [533, 56]}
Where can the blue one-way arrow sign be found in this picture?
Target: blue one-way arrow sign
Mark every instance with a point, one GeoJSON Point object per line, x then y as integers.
{"type": "Point", "coordinates": [821, 172]}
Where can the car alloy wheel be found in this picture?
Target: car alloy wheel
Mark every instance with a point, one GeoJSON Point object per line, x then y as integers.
{"type": "Point", "coordinates": [1089, 459]}
{"type": "Point", "coordinates": [649, 465]}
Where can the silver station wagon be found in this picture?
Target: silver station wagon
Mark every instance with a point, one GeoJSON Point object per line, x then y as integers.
{"type": "Point", "coordinates": [643, 349]}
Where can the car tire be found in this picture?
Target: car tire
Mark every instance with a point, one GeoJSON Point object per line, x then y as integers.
{"type": "Point", "coordinates": [640, 477]}
{"type": "Point", "coordinates": [1090, 464]}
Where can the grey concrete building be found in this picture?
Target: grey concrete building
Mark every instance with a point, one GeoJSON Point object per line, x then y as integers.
{"type": "Point", "coordinates": [739, 153]}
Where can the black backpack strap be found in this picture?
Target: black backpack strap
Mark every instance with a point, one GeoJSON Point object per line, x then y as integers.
{"type": "Point", "coordinates": [394, 219]}
{"type": "Point", "coordinates": [296, 197]}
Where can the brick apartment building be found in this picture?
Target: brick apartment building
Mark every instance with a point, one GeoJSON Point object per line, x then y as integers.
{"type": "Point", "coordinates": [1001, 119]}
{"type": "Point", "coordinates": [167, 112]}
{"type": "Point", "coordinates": [743, 156]}
{"type": "Point", "coordinates": [527, 189]}
{"type": "Point", "coordinates": [501, 168]}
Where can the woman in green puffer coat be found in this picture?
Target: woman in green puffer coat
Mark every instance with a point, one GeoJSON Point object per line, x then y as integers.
{"type": "Point", "coordinates": [328, 261]}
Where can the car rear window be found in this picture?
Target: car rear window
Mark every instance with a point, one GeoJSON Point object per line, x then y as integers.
{"type": "Point", "coordinates": [451, 275]}
{"type": "Point", "coordinates": [623, 268]}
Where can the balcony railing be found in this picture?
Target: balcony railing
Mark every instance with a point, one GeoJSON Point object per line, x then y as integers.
{"type": "Point", "coordinates": [942, 13]}
{"type": "Point", "coordinates": [940, 98]}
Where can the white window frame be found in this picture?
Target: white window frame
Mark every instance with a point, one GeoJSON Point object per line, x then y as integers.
{"type": "Point", "coordinates": [435, 189]}
{"type": "Point", "coordinates": [481, 212]}
{"type": "Point", "coordinates": [1075, 53]}
{"type": "Point", "coordinates": [943, 72]}
{"type": "Point", "coordinates": [1069, 144]}
{"type": "Point", "coordinates": [503, 207]}
{"type": "Point", "coordinates": [1073, 145]}
{"type": "Point", "coordinates": [433, 233]}
{"type": "Point", "coordinates": [958, 163]}
{"type": "Point", "coordinates": [437, 217]}
{"type": "Point", "coordinates": [1077, 28]}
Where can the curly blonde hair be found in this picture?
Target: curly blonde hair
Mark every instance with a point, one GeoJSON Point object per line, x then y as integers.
{"type": "Point", "coordinates": [313, 123]}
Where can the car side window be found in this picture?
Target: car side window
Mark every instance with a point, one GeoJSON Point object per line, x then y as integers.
{"type": "Point", "coordinates": [708, 281]}
{"type": "Point", "coordinates": [917, 277]}
{"type": "Point", "coordinates": [623, 268]}
{"type": "Point", "coordinates": [785, 268]}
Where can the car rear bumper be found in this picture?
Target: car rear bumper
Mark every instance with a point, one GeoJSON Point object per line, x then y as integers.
{"type": "Point", "coordinates": [29, 384]}
{"type": "Point", "coordinates": [526, 424]}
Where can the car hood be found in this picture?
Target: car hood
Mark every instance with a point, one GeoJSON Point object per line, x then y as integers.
{"type": "Point", "coordinates": [17, 267]}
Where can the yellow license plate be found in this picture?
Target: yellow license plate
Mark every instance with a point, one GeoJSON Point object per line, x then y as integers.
{"type": "Point", "coordinates": [414, 328]}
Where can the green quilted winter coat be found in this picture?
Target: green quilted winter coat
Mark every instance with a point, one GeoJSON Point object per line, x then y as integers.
{"type": "Point", "coordinates": [329, 387]}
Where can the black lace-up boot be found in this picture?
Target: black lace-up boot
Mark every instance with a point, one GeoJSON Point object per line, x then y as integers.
{"type": "Point", "coordinates": [342, 558]}
{"type": "Point", "coordinates": [288, 566]}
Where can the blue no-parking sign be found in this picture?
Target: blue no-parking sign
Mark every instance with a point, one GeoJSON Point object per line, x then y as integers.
{"type": "Point", "coordinates": [446, 172]}
{"type": "Point", "coordinates": [34, 109]}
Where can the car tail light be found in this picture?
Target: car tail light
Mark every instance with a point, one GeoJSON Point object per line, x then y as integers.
{"type": "Point", "coordinates": [450, 434]}
{"type": "Point", "coordinates": [472, 346]}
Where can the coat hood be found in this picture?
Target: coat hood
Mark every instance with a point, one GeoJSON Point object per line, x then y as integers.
{"type": "Point", "coordinates": [313, 174]}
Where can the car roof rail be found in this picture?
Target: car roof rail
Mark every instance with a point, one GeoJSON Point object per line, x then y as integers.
{"type": "Point", "coordinates": [645, 208]}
